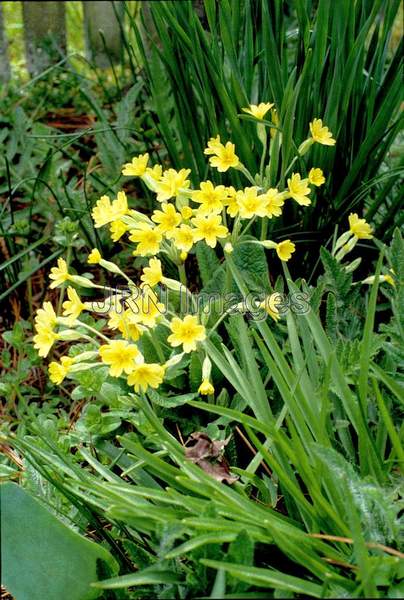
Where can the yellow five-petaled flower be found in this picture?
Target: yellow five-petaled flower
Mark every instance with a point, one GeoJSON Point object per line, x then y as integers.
{"type": "Point", "coordinates": [359, 227]}
{"type": "Point", "coordinates": [120, 356]}
{"type": "Point", "coordinates": [137, 167]}
{"type": "Point", "coordinates": [299, 190]}
{"type": "Point", "coordinates": [320, 133]}
{"type": "Point", "coordinates": [210, 198]}
{"type": "Point", "coordinates": [144, 375]}
{"type": "Point", "coordinates": [209, 229]}
{"type": "Point", "coordinates": [285, 249]}
{"type": "Point", "coordinates": [172, 183]}
{"type": "Point", "coordinates": [258, 111]}
{"type": "Point", "coordinates": [187, 332]}
{"type": "Point", "coordinates": [59, 274]}
{"type": "Point", "coordinates": [148, 239]}
{"type": "Point", "coordinates": [223, 157]}
{"type": "Point", "coordinates": [58, 371]}
{"type": "Point", "coordinates": [152, 275]}
{"type": "Point", "coordinates": [167, 219]}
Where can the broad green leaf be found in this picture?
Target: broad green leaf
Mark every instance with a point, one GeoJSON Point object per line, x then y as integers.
{"type": "Point", "coordinates": [42, 557]}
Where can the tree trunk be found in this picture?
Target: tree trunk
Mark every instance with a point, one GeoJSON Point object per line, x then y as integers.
{"type": "Point", "coordinates": [45, 34]}
{"type": "Point", "coordinates": [4, 62]}
{"type": "Point", "coordinates": [103, 33]}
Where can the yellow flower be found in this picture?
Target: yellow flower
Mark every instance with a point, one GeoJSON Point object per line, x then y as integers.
{"type": "Point", "coordinates": [137, 167]}
{"type": "Point", "coordinates": [172, 183]}
{"type": "Point", "coordinates": [120, 205]}
{"type": "Point", "coordinates": [94, 257]}
{"type": "Point", "coordinates": [126, 323]}
{"type": "Point", "coordinates": [209, 229]}
{"type": "Point", "coordinates": [148, 239]}
{"type": "Point", "coordinates": [187, 332]}
{"type": "Point", "coordinates": [275, 121]}
{"type": "Point", "coordinates": [316, 177]}
{"type": "Point", "coordinates": [46, 316]}
{"type": "Point", "coordinates": [186, 212]}
{"type": "Point", "coordinates": [183, 238]}
{"type": "Point", "coordinates": [270, 305]}
{"type": "Point", "coordinates": [155, 172]}
{"type": "Point", "coordinates": [359, 227]}
{"type": "Point", "coordinates": [228, 248]}
{"type": "Point", "coordinates": [145, 307]}
{"type": "Point", "coordinates": [120, 355]}
{"type": "Point", "coordinates": [104, 212]}
{"type": "Point", "coordinates": [320, 133]}
{"type": "Point", "coordinates": [298, 189]}
{"type": "Point", "coordinates": [146, 375]}
{"type": "Point", "coordinates": [58, 371]}
{"type": "Point", "coordinates": [231, 202]}
{"type": "Point", "coordinates": [44, 339]}
{"type": "Point", "coordinates": [167, 219]}
{"type": "Point", "coordinates": [210, 198]}
{"type": "Point", "coordinates": [223, 157]}
{"type": "Point", "coordinates": [285, 250]}
{"type": "Point", "coordinates": [258, 111]}
{"type": "Point", "coordinates": [250, 204]}
{"type": "Point", "coordinates": [152, 275]}
{"type": "Point", "coordinates": [59, 274]}
{"type": "Point", "coordinates": [389, 279]}
{"type": "Point", "coordinates": [117, 229]}
{"type": "Point", "coordinates": [73, 306]}
{"type": "Point", "coordinates": [206, 388]}
{"type": "Point", "coordinates": [274, 203]}
{"type": "Point", "coordinates": [183, 255]}
{"type": "Point", "coordinates": [214, 145]}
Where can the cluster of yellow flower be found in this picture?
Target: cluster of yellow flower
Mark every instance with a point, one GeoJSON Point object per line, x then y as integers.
{"type": "Point", "coordinates": [183, 218]}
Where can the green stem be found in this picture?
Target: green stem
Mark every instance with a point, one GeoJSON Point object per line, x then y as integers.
{"type": "Point", "coordinates": [246, 173]}
{"type": "Point", "coordinates": [156, 345]}
{"type": "Point", "coordinates": [250, 222]}
{"type": "Point", "coordinates": [101, 335]}
{"type": "Point", "coordinates": [236, 228]}
{"type": "Point", "coordinates": [264, 152]}
{"type": "Point", "coordinates": [264, 228]}
{"type": "Point", "coordinates": [220, 319]}
{"type": "Point", "coordinates": [288, 169]}
{"type": "Point", "coordinates": [182, 273]}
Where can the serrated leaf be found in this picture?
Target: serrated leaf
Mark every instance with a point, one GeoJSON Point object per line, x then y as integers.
{"type": "Point", "coordinates": [251, 261]}
{"type": "Point", "coordinates": [208, 262]}
{"type": "Point", "coordinates": [337, 278]}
